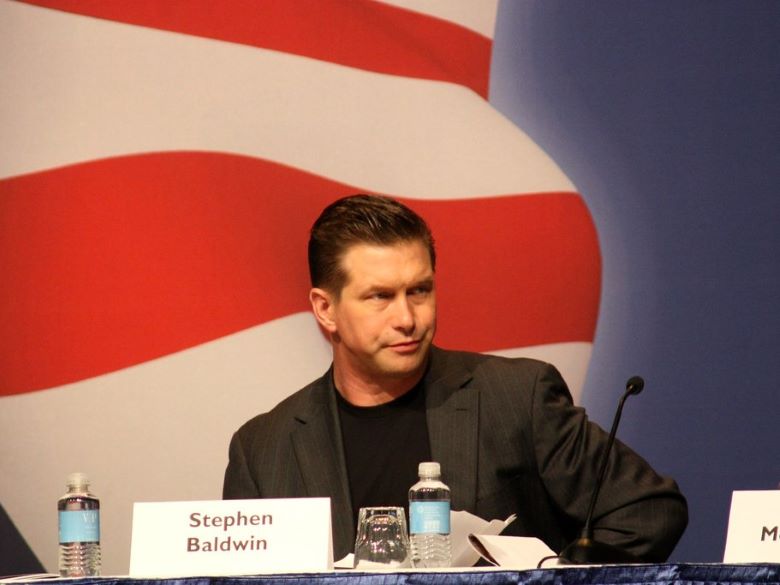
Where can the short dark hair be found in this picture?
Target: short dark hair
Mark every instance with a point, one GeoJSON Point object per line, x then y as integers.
{"type": "Point", "coordinates": [360, 219]}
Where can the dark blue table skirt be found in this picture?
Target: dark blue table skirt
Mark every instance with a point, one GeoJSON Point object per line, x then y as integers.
{"type": "Point", "coordinates": [671, 574]}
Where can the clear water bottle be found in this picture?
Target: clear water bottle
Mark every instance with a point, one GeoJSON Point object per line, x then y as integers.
{"type": "Point", "coordinates": [429, 519]}
{"type": "Point", "coordinates": [79, 518]}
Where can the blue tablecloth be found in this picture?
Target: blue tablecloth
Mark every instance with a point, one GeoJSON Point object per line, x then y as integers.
{"type": "Point", "coordinates": [669, 574]}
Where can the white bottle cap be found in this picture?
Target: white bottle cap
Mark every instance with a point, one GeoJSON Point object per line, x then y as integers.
{"type": "Point", "coordinates": [429, 469]}
{"type": "Point", "coordinates": [77, 480]}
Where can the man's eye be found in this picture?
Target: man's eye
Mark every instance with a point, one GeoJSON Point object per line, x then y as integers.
{"type": "Point", "coordinates": [420, 291]}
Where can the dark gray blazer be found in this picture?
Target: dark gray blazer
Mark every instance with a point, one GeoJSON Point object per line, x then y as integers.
{"type": "Point", "coordinates": [508, 439]}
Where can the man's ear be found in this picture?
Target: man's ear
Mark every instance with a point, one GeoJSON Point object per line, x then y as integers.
{"type": "Point", "coordinates": [322, 305]}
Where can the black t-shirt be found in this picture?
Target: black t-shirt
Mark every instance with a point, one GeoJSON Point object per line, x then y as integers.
{"type": "Point", "coordinates": [383, 446]}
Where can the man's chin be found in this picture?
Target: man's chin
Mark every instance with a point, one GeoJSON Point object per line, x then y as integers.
{"type": "Point", "coordinates": [404, 366]}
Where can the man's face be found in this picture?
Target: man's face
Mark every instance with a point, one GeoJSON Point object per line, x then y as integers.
{"type": "Point", "coordinates": [384, 320]}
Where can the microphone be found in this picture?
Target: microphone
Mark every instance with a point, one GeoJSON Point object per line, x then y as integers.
{"type": "Point", "coordinates": [585, 550]}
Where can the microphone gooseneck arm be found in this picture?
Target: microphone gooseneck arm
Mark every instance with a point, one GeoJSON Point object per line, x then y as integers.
{"type": "Point", "coordinates": [587, 529]}
{"type": "Point", "coordinates": [586, 550]}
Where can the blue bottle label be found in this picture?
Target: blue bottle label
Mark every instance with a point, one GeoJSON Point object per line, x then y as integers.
{"type": "Point", "coordinates": [80, 526]}
{"type": "Point", "coordinates": [429, 517]}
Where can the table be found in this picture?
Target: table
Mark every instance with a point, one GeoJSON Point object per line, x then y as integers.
{"type": "Point", "coordinates": [660, 574]}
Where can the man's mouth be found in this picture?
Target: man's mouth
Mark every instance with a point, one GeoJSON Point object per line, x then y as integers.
{"type": "Point", "coordinates": [406, 346]}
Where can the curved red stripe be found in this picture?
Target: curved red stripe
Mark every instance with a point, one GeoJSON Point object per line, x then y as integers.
{"type": "Point", "coordinates": [515, 271]}
{"type": "Point", "coordinates": [112, 263]}
{"type": "Point", "coordinates": [358, 33]}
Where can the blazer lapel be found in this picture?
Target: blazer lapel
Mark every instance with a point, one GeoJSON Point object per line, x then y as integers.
{"type": "Point", "coordinates": [453, 421]}
{"type": "Point", "coordinates": [320, 456]}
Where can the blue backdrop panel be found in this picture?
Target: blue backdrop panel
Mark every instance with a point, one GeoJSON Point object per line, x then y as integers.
{"type": "Point", "coordinates": [666, 116]}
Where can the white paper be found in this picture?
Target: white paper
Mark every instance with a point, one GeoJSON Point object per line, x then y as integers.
{"type": "Point", "coordinates": [462, 524]}
{"type": "Point", "coordinates": [515, 552]}
{"type": "Point", "coordinates": [348, 562]}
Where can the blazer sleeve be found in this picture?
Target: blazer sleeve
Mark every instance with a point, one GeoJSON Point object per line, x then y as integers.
{"type": "Point", "coordinates": [638, 510]}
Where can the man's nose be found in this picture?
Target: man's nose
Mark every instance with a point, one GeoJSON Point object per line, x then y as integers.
{"type": "Point", "coordinates": [403, 315]}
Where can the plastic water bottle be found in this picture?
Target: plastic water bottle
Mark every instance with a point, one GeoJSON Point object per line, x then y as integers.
{"type": "Point", "coordinates": [429, 519]}
{"type": "Point", "coordinates": [79, 518]}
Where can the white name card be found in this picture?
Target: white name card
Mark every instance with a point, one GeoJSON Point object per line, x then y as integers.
{"type": "Point", "coordinates": [754, 527]}
{"type": "Point", "coordinates": [231, 537]}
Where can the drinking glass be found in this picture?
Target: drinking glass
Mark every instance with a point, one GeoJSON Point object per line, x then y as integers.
{"type": "Point", "coordinates": [382, 539]}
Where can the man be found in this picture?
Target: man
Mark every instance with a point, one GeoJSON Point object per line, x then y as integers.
{"type": "Point", "coordinates": [504, 430]}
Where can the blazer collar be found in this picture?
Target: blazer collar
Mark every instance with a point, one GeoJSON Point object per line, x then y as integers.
{"type": "Point", "coordinates": [319, 452]}
{"type": "Point", "coordinates": [452, 416]}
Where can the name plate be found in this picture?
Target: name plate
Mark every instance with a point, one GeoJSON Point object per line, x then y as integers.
{"type": "Point", "coordinates": [754, 527]}
{"type": "Point", "coordinates": [231, 537]}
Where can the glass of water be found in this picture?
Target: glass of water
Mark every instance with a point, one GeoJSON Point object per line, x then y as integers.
{"type": "Point", "coordinates": [382, 539]}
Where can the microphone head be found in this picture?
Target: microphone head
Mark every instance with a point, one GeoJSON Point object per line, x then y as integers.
{"type": "Point", "coordinates": [635, 385]}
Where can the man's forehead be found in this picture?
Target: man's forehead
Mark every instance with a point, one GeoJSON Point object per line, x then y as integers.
{"type": "Point", "coordinates": [383, 260]}
{"type": "Point", "coordinates": [374, 250]}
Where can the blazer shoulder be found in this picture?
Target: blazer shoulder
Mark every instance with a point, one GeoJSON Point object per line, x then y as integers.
{"type": "Point", "coordinates": [487, 365]}
{"type": "Point", "coordinates": [285, 412]}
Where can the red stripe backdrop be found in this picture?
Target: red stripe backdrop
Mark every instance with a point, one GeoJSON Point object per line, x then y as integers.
{"type": "Point", "coordinates": [112, 263]}
{"type": "Point", "coordinates": [356, 33]}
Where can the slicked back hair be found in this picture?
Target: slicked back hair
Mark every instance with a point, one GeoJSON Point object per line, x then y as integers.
{"type": "Point", "coordinates": [360, 219]}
